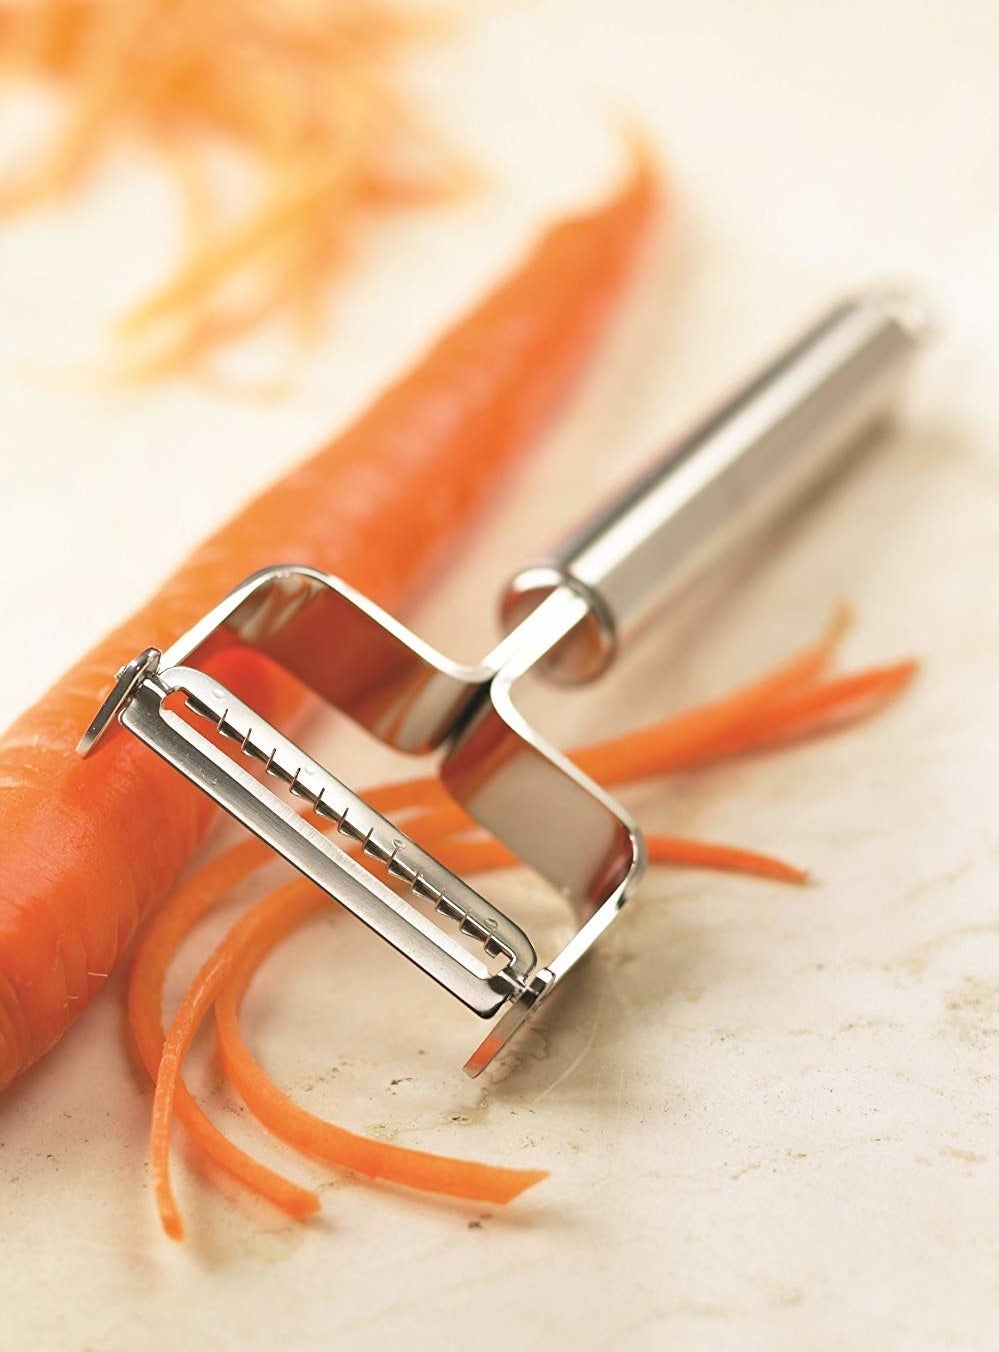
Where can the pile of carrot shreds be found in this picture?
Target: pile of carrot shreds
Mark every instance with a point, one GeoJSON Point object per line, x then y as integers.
{"type": "Point", "coordinates": [795, 700]}
{"type": "Point", "coordinates": [302, 98]}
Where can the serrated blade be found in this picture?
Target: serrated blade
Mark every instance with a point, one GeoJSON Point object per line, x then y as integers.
{"type": "Point", "coordinates": [318, 856]}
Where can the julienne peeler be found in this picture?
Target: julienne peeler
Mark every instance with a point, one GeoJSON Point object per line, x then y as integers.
{"type": "Point", "coordinates": [776, 438]}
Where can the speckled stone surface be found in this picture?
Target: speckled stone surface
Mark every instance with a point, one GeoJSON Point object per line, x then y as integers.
{"type": "Point", "coordinates": [770, 1114]}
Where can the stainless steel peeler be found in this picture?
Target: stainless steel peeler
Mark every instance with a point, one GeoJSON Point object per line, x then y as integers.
{"type": "Point", "coordinates": [779, 434]}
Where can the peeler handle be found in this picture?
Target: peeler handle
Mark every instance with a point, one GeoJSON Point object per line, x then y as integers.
{"type": "Point", "coordinates": [774, 439]}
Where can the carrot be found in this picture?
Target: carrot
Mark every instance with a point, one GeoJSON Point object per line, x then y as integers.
{"type": "Point", "coordinates": [87, 849]}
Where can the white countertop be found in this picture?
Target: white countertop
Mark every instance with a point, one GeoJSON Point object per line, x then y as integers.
{"type": "Point", "coordinates": [770, 1115]}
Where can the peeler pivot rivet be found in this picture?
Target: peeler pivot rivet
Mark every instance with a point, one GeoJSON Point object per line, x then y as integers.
{"type": "Point", "coordinates": [127, 681]}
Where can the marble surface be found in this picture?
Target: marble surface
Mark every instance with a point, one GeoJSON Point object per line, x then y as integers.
{"type": "Point", "coordinates": [771, 1116]}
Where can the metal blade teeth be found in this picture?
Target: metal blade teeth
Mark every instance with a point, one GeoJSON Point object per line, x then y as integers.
{"type": "Point", "coordinates": [389, 854]}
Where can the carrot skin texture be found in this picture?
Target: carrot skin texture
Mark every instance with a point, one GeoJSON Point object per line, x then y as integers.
{"type": "Point", "coordinates": [89, 848]}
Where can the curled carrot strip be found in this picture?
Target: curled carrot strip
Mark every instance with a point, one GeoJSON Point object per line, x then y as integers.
{"type": "Point", "coordinates": [244, 948]}
{"type": "Point", "coordinates": [233, 966]}
{"type": "Point", "coordinates": [670, 743]}
{"type": "Point", "coordinates": [273, 919]}
{"type": "Point", "coordinates": [809, 712]}
{"type": "Point", "coordinates": [700, 854]}
{"type": "Point", "coordinates": [482, 855]}
{"type": "Point", "coordinates": [160, 943]}
{"type": "Point", "coordinates": [233, 961]}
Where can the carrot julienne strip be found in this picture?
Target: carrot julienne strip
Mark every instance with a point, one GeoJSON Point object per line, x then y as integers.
{"type": "Point", "coordinates": [161, 940]}
{"type": "Point", "coordinates": [262, 926]}
{"type": "Point", "coordinates": [811, 712]}
{"type": "Point", "coordinates": [179, 1036]}
{"type": "Point", "coordinates": [483, 855]}
{"type": "Point", "coordinates": [661, 746]}
{"type": "Point", "coordinates": [686, 853]}
{"type": "Point", "coordinates": [246, 946]}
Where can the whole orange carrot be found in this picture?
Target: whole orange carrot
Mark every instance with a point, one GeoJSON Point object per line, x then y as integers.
{"type": "Point", "coordinates": [88, 848]}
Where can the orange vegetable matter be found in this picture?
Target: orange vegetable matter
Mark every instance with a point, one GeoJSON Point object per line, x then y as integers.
{"type": "Point", "coordinates": [306, 99]}
{"type": "Point", "coordinates": [792, 699]}
{"type": "Point", "coordinates": [88, 849]}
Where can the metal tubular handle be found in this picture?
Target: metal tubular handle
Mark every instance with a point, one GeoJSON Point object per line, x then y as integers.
{"type": "Point", "coordinates": [765, 447]}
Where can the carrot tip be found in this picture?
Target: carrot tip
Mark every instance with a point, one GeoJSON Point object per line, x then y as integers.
{"type": "Point", "coordinates": [173, 1226]}
{"type": "Point", "coordinates": [522, 1180]}
{"type": "Point", "coordinates": [793, 873]}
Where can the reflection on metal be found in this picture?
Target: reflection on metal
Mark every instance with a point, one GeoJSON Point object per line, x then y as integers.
{"type": "Point", "coordinates": [782, 433]}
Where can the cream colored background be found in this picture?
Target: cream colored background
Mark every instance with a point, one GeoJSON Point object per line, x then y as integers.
{"type": "Point", "coordinates": [771, 1115]}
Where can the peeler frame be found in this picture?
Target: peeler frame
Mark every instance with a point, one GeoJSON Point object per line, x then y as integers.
{"type": "Point", "coordinates": [415, 699]}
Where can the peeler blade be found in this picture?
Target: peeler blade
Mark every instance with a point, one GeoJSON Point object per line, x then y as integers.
{"type": "Point", "coordinates": [483, 983]}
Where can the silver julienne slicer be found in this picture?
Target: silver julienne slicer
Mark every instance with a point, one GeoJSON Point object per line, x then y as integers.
{"type": "Point", "coordinates": [761, 450]}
